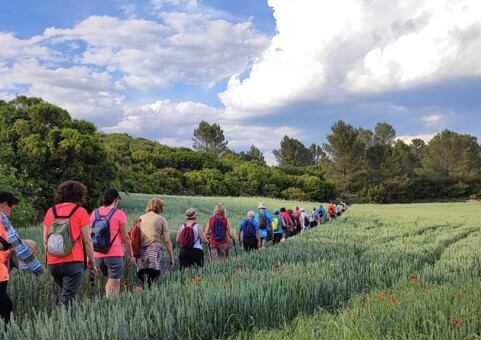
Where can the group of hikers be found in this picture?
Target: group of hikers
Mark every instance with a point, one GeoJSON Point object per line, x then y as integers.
{"type": "Point", "coordinates": [75, 241]}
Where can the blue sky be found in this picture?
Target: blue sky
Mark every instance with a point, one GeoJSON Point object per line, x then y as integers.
{"type": "Point", "coordinates": [262, 69]}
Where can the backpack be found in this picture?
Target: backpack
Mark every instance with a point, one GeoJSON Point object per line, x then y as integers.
{"type": "Point", "coordinates": [59, 238]}
{"type": "Point", "coordinates": [220, 224]}
{"type": "Point", "coordinates": [262, 222]}
{"type": "Point", "coordinates": [332, 210]}
{"type": "Point", "coordinates": [248, 229]}
{"type": "Point", "coordinates": [275, 224]}
{"type": "Point", "coordinates": [187, 237]}
{"type": "Point", "coordinates": [135, 236]}
{"type": "Point", "coordinates": [306, 221]}
{"type": "Point", "coordinates": [101, 232]}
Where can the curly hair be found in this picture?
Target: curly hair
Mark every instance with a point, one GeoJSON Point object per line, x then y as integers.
{"type": "Point", "coordinates": [72, 192]}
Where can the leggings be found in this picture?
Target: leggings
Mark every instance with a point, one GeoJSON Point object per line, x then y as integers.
{"type": "Point", "coordinates": [5, 302]}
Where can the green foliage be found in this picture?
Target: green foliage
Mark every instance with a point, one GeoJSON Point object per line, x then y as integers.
{"type": "Point", "coordinates": [209, 138]}
{"type": "Point", "coordinates": [293, 153]}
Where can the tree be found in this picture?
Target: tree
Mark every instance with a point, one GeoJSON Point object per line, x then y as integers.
{"type": "Point", "coordinates": [293, 153]}
{"type": "Point", "coordinates": [453, 155]}
{"type": "Point", "coordinates": [209, 138]}
{"type": "Point", "coordinates": [254, 154]}
{"type": "Point", "coordinates": [384, 134]}
{"type": "Point", "coordinates": [317, 154]}
{"type": "Point", "coordinates": [346, 152]}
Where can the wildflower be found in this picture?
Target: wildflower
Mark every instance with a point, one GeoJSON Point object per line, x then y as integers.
{"type": "Point", "coordinates": [393, 300]}
{"type": "Point", "coordinates": [456, 322]}
{"type": "Point", "coordinates": [139, 290]}
{"type": "Point", "coordinates": [380, 296]}
{"type": "Point", "coordinates": [196, 280]}
{"type": "Point", "coordinates": [413, 277]}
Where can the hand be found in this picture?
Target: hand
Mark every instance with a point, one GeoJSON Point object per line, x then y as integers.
{"type": "Point", "coordinates": [172, 263]}
{"type": "Point", "coordinates": [132, 261]}
{"type": "Point", "coordinates": [91, 265]}
{"type": "Point", "coordinates": [258, 245]}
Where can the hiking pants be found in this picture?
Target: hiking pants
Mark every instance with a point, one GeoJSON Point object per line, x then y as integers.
{"type": "Point", "coordinates": [5, 302]}
{"type": "Point", "coordinates": [148, 275]}
{"type": "Point", "coordinates": [277, 237]}
{"type": "Point", "coordinates": [69, 277]}
{"type": "Point", "coordinates": [249, 243]}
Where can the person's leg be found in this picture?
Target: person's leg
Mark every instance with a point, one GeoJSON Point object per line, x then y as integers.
{"type": "Point", "coordinates": [152, 275]}
{"type": "Point", "coordinates": [224, 250]}
{"type": "Point", "coordinates": [198, 257]}
{"type": "Point", "coordinates": [57, 274]}
{"type": "Point", "coordinates": [115, 268]}
{"type": "Point", "coordinates": [5, 303]}
{"type": "Point", "coordinates": [214, 253]}
{"type": "Point", "coordinates": [71, 281]}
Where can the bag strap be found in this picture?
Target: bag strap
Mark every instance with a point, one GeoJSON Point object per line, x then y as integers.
{"type": "Point", "coordinates": [111, 214]}
{"type": "Point", "coordinates": [73, 211]}
{"type": "Point", "coordinates": [55, 214]}
{"type": "Point", "coordinates": [97, 214]}
{"type": "Point", "coordinates": [54, 211]}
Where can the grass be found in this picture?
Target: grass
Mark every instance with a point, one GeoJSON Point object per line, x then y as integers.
{"type": "Point", "coordinates": [395, 272]}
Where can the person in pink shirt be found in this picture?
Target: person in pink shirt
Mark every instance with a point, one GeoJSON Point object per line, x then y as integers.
{"type": "Point", "coordinates": [111, 261]}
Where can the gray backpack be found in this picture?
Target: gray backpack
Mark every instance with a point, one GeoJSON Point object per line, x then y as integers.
{"type": "Point", "coordinates": [59, 239]}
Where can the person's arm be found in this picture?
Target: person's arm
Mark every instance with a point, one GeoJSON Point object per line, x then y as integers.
{"type": "Point", "coordinates": [283, 223]}
{"type": "Point", "coordinates": [240, 232]}
{"type": "Point", "coordinates": [202, 237]}
{"type": "Point", "coordinates": [207, 229]}
{"type": "Point", "coordinates": [258, 237]}
{"type": "Point", "coordinates": [124, 234]}
{"type": "Point", "coordinates": [89, 249]}
{"type": "Point", "coordinates": [168, 243]}
{"type": "Point", "coordinates": [229, 231]}
{"type": "Point", "coordinates": [177, 238]}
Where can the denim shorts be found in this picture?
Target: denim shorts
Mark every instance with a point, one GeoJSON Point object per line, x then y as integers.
{"type": "Point", "coordinates": [112, 266]}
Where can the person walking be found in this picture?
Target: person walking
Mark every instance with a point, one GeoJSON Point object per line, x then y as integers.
{"type": "Point", "coordinates": [67, 240]}
{"type": "Point", "coordinates": [109, 234]}
{"type": "Point", "coordinates": [304, 218]}
{"type": "Point", "coordinates": [264, 221]}
{"type": "Point", "coordinates": [278, 226]}
{"type": "Point", "coordinates": [219, 231]}
{"type": "Point", "coordinates": [249, 230]}
{"type": "Point", "coordinates": [154, 237]}
{"type": "Point", "coordinates": [190, 238]}
{"type": "Point", "coordinates": [12, 246]}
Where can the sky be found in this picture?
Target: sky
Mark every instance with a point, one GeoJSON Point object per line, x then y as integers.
{"type": "Point", "coordinates": [262, 69]}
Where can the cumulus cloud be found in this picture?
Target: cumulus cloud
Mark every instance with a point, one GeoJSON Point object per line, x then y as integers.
{"type": "Point", "coordinates": [326, 50]}
{"type": "Point", "coordinates": [176, 121]}
{"type": "Point", "coordinates": [425, 137]}
{"type": "Point", "coordinates": [433, 119]}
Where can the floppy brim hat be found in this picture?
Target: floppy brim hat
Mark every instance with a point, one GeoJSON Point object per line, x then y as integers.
{"type": "Point", "coordinates": [262, 205]}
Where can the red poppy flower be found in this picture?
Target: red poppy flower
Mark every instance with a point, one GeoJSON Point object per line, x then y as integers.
{"type": "Point", "coordinates": [393, 300]}
{"type": "Point", "coordinates": [139, 290]}
{"type": "Point", "coordinates": [456, 322]}
{"type": "Point", "coordinates": [413, 277]}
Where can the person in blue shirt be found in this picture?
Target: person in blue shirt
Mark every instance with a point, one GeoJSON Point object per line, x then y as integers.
{"type": "Point", "coordinates": [321, 211]}
{"type": "Point", "coordinates": [264, 221]}
{"type": "Point", "coordinates": [278, 225]}
{"type": "Point", "coordinates": [249, 229]}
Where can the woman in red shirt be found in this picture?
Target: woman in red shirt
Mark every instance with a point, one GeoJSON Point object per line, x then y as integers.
{"type": "Point", "coordinates": [219, 247]}
{"type": "Point", "coordinates": [68, 270]}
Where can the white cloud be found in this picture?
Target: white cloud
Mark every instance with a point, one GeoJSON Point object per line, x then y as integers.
{"type": "Point", "coordinates": [184, 47]}
{"type": "Point", "coordinates": [173, 123]}
{"type": "Point", "coordinates": [425, 137]}
{"type": "Point", "coordinates": [329, 49]}
{"type": "Point", "coordinates": [433, 119]}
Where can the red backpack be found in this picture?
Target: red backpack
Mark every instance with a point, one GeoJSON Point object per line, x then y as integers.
{"type": "Point", "coordinates": [186, 238]}
{"type": "Point", "coordinates": [135, 237]}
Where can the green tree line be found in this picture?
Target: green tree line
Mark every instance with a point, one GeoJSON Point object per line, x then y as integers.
{"type": "Point", "coordinates": [41, 146]}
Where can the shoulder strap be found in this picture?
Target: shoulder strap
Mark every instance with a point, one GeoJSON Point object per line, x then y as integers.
{"type": "Point", "coordinates": [97, 214]}
{"type": "Point", "coordinates": [54, 211]}
{"type": "Point", "coordinates": [111, 213]}
{"type": "Point", "coordinates": [73, 211]}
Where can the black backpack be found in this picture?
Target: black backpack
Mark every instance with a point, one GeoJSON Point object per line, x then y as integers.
{"type": "Point", "coordinates": [101, 232]}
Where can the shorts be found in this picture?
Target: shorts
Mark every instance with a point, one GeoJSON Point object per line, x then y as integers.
{"type": "Point", "coordinates": [191, 257]}
{"type": "Point", "coordinates": [219, 252]}
{"type": "Point", "coordinates": [112, 266]}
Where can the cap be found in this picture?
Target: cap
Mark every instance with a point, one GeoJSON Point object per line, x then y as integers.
{"type": "Point", "coordinates": [191, 214]}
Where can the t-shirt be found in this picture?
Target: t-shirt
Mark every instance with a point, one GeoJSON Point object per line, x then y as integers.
{"type": "Point", "coordinates": [4, 256]}
{"type": "Point", "coordinates": [118, 218]}
{"type": "Point", "coordinates": [244, 223]}
{"type": "Point", "coordinates": [78, 220]}
{"type": "Point", "coordinates": [152, 228]}
{"type": "Point", "coordinates": [212, 240]}
{"type": "Point", "coordinates": [263, 233]}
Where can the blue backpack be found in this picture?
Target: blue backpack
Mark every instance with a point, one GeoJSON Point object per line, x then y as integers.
{"type": "Point", "coordinates": [248, 229]}
{"type": "Point", "coordinates": [220, 224]}
{"type": "Point", "coordinates": [101, 232]}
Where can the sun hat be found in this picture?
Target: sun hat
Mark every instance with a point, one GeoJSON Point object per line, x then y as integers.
{"type": "Point", "coordinates": [262, 205]}
{"type": "Point", "coordinates": [190, 214]}
{"type": "Point", "coordinates": [302, 209]}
